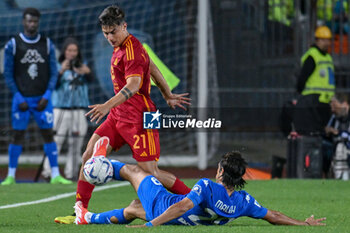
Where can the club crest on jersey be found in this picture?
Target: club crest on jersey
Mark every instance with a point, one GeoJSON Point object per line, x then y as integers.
{"type": "Point", "coordinates": [197, 189]}
{"type": "Point", "coordinates": [151, 120]}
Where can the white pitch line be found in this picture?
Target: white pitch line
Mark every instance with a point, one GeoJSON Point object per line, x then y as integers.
{"type": "Point", "coordinates": [61, 196]}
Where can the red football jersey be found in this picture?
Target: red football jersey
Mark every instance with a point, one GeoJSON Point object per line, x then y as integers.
{"type": "Point", "coordinates": [131, 59]}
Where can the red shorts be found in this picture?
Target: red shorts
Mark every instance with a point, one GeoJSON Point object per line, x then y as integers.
{"type": "Point", "coordinates": [144, 143]}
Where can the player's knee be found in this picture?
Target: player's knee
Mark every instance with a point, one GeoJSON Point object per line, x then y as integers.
{"type": "Point", "coordinates": [47, 135]}
{"type": "Point", "coordinates": [135, 202]}
{"type": "Point", "coordinates": [18, 137]}
{"type": "Point", "coordinates": [129, 213]}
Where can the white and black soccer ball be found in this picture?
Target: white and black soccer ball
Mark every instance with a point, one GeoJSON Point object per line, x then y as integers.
{"type": "Point", "coordinates": [98, 170]}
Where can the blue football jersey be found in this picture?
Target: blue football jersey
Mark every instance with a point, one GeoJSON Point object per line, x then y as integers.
{"type": "Point", "coordinates": [213, 206]}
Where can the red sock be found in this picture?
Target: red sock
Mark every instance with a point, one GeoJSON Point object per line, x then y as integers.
{"type": "Point", "coordinates": [179, 187]}
{"type": "Point", "coordinates": [84, 190]}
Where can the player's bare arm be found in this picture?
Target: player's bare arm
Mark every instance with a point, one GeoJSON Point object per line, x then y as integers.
{"type": "Point", "coordinates": [277, 218]}
{"type": "Point", "coordinates": [159, 80]}
{"type": "Point", "coordinates": [98, 111]}
{"type": "Point", "coordinates": [171, 213]}
{"type": "Point", "coordinates": [172, 100]}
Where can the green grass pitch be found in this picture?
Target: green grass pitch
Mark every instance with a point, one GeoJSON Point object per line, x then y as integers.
{"type": "Point", "coordinates": [296, 198]}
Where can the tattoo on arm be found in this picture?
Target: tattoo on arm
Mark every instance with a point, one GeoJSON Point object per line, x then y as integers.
{"type": "Point", "coordinates": [156, 82]}
{"type": "Point", "coordinates": [159, 86]}
{"type": "Point", "coordinates": [126, 92]}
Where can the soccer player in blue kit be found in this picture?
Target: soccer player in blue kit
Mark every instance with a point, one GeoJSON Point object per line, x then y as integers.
{"type": "Point", "coordinates": [208, 203]}
{"type": "Point", "coordinates": [30, 73]}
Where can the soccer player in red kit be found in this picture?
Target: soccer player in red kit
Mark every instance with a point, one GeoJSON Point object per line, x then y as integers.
{"type": "Point", "coordinates": [131, 70]}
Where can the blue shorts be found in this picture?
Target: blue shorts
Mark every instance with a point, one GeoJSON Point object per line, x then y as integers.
{"type": "Point", "coordinates": [20, 119]}
{"type": "Point", "coordinates": [149, 192]}
{"type": "Point", "coordinates": [155, 199]}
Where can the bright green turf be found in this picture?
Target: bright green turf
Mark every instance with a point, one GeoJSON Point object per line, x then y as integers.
{"type": "Point", "coordinates": [296, 198]}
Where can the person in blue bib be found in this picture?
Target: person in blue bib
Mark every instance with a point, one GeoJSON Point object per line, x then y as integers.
{"type": "Point", "coordinates": [31, 74]}
{"type": "Point", "coordinates": [208, 203]}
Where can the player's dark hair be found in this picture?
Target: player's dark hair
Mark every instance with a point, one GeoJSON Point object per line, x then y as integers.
{"type": "Point", "coordinates": [342, 97]}
{"type": "Point", "coordinates": [31, 11]}
{"type": "Point", "coordinates": [234, 168]}
{"type": "Point", "coordinates": [66, 43]}
{"type": "Point", "coordinates": [111, 16]}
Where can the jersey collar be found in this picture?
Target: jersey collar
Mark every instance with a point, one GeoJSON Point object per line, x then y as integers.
{"type": "Point", "coordinates": [126, 40]}
{"type": "Point", "coordinates": [30, 40]}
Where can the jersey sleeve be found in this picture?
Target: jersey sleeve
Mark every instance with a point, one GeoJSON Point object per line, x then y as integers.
{"type": "Point", "coordinates": [252, 208]}
{"type": "Point", "coordinates": [53, 66]}
{"type": "Point", "coordinates": [134, 62]}
{"type": "Point", "coordinates": [198, 192]}
{"type": "Point", "coordinates": [9, 65]}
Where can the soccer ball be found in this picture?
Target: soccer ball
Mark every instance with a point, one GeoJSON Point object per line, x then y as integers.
{"type": "Point", "coordinates": [98, 170]}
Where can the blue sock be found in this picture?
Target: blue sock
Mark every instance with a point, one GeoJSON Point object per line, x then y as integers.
{"type": "Point", "coordinates": [14, 153]}
{"type": "Point", "coordinates": [51, 152]}
{"type": "Point", "coordinates": [116, 167]}
{"type": "Point", "coordinates": [105, 217]}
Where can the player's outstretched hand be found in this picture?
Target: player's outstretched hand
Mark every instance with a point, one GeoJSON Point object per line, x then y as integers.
{"type": "Point", "coordinates": [315, 222]}
{"type": "Point", "coordinates": [178, 100]}
{"type": "Point", "coordinates": [97, 112]}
